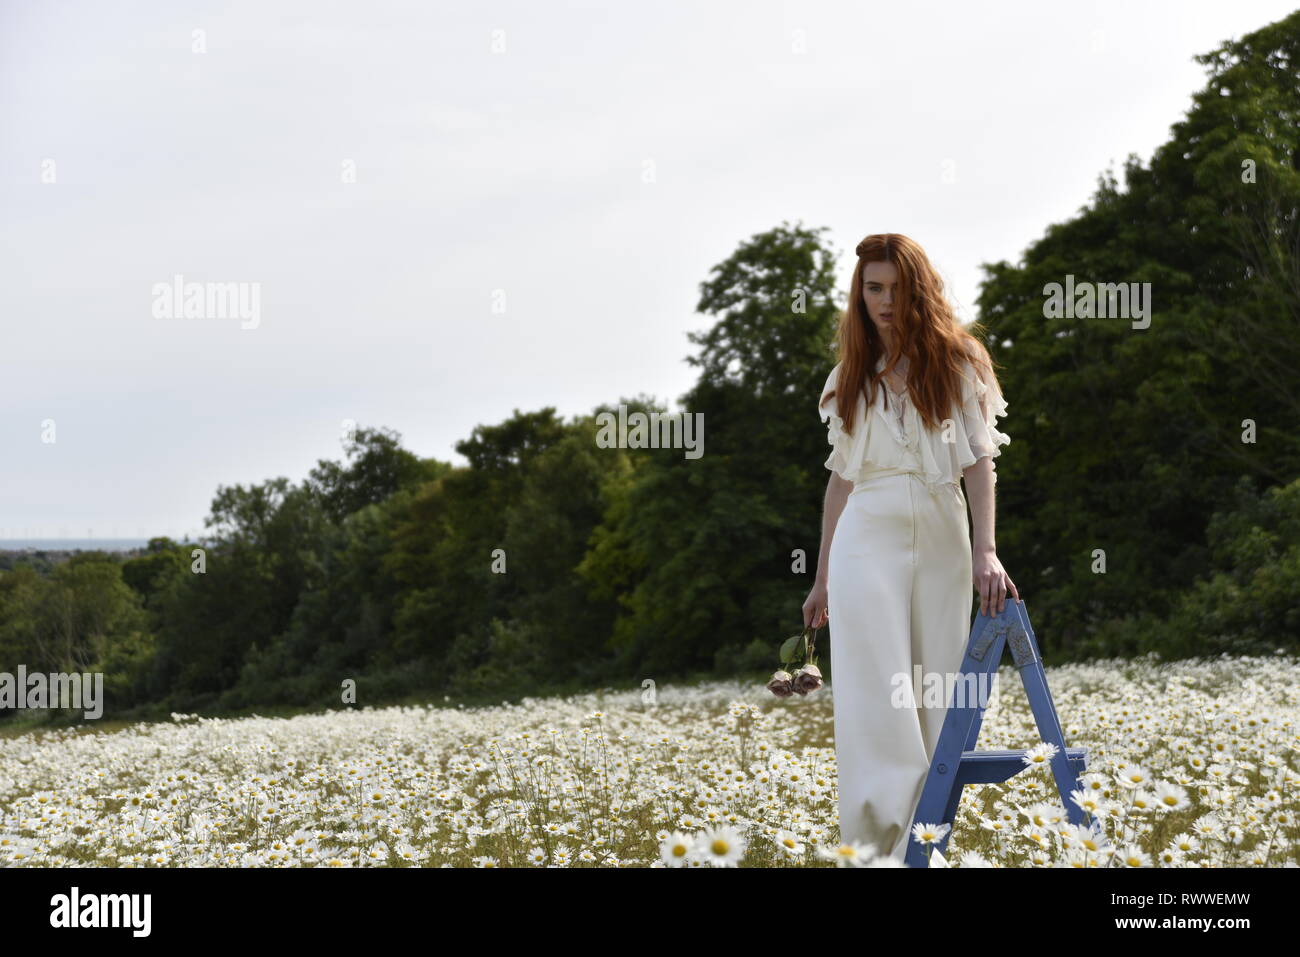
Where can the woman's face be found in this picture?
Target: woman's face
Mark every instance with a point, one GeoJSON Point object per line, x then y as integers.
{"type": "Point", "coordinates": [879, 286]}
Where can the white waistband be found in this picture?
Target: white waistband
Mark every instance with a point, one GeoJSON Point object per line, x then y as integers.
{"type": "Point", "coordinates": [885, 472]}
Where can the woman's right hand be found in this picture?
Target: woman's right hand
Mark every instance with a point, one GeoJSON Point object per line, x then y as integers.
{"type": "Point", "coordinates": [815, 613]}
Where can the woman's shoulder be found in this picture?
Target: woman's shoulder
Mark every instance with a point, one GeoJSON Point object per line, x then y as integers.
{"type": "Point", "coordinates": [828, 388]}
{"type": "Point", "coordinates": [976, 369]}
{"type": "Point", "coordinates": [973, 356]}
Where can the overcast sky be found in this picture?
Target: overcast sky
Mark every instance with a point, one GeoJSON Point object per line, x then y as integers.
{"type": "Point", "coordinates": [381, 173]}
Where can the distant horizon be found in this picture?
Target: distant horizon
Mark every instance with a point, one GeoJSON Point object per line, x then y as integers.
{"type": "Point", "coordinates": [83, 544]}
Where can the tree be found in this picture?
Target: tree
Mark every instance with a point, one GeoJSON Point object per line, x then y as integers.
{"type": "Point", "coordinates": [706, 545]}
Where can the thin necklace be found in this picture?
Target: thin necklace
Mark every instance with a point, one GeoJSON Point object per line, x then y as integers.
{"type": "Point", "coordinates": [902, 394]}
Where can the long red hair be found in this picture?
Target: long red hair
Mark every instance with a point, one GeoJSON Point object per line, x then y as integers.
{"type": "Point", "coordinates": [925, 328]}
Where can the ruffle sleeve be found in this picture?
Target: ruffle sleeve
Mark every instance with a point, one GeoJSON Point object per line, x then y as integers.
{"type": "Point", "coordinates": [982, 405]}
{"type": "Point", "coordinates": [846, 448]}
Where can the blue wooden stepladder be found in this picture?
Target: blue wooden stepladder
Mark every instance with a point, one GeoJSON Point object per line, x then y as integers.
{"type": "Point", "coordinates": [956, 763]}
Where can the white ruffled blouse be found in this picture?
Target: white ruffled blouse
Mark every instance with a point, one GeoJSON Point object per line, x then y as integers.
{"type": "Point", "coordinates": [896, 439]}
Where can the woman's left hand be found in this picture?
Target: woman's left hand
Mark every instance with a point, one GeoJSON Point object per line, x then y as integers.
{"type": "Point", "coordinates": [992, 582]}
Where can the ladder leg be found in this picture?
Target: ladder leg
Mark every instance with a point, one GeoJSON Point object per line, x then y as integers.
{"type": "Point", "coordinates": [942, 790]}
{"type": "Point", "coordinates": [978, 721]}
{"type": "Point", "coordinates": [1022, 616]}
{"type": "Point", "coordinates": [950, 815]}
{"type": "Point", "coordinates": [1034, 678]}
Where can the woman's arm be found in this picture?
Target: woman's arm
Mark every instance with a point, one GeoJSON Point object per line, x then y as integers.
{"type": "Point", "coordinates": [979, 493]}
{"type": "Point", "coordinates": [990, 579]}
{"type": "Point", "coordinates": [837, 493]}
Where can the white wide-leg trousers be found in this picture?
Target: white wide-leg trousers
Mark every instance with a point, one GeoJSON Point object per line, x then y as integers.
{"type": "Point", "coordinates": [899, 594]}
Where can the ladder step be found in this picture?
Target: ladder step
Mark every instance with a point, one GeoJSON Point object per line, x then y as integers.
{"type": "Point", "coordinates": [990, 767]}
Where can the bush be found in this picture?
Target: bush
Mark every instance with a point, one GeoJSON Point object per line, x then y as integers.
{"type": "Point", "coordinates": [1247, 605]}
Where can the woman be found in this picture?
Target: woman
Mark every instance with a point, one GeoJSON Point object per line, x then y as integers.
{"type": "Point", "coordinates": [895, 568]}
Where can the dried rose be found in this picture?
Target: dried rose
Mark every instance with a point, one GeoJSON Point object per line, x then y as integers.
{"type": "Point", "coordinates": [808, 678]}
{"type": "Point", "coordinates": [780, 684]}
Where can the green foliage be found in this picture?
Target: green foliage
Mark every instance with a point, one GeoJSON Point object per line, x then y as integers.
{"type": "Point", "coordinates": [1246, 604]}
{"type": "Point", "coordinates": [149, 573]}
{"type": "Point", "coordinates": [755, 659]}
{"type": "Point", "coordinates": [82, 618]}
{"type": "Point", "coordinates": [377, 468]}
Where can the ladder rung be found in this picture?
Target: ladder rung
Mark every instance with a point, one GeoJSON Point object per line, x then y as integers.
{"type": "Point", "coordinates": [989, 767]}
